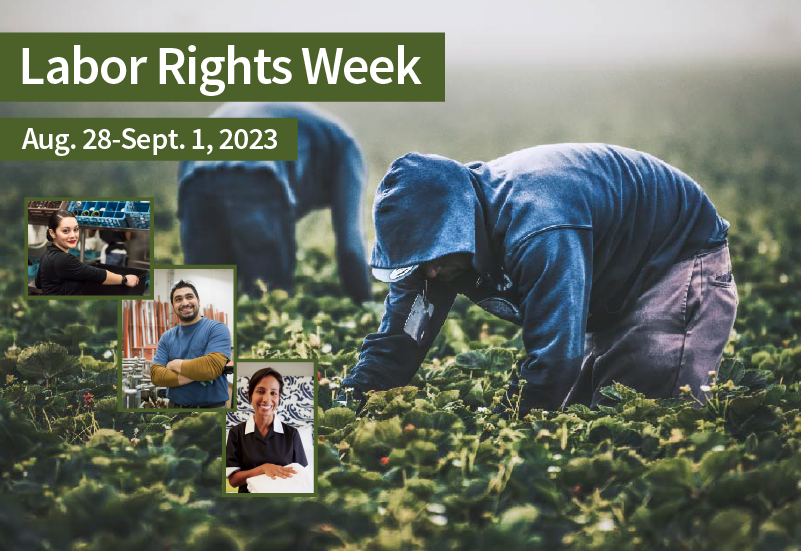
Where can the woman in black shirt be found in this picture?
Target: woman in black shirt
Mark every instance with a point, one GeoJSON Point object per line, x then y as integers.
{"type": "Point", "coordinates": [263, 444]}
{"type": "Point", "coordinates": [60, 273]}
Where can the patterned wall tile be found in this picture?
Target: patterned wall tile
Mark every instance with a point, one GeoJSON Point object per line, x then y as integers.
{"type": "Point", "coordinates": [296, 407]}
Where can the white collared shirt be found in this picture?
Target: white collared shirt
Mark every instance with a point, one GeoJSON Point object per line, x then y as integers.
{"type": "Point", "coordinates": [250, 424]}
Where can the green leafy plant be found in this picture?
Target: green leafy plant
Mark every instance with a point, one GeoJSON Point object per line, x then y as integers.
{"type": "Point", "coordinates": [46, 361]}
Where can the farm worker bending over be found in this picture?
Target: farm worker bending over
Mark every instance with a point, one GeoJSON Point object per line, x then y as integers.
{"type": "Point", "coordinates": [244, 212]}
{"type": "Point", "coordinates": [565, 240]}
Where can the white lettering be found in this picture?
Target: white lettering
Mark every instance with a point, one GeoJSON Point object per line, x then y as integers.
{"type": "Point", "coordinates": [63, 70]}
{"type": "Point", "coordinates": [26, 70]}
{"type": "Point", "coordinates": [232, 62]}
{"type": "Point", "coordinates": [349, 70]}
{"type": "Point", "coordinates": [283, 70]}
{"type": "Point", "coordinates": [322, 58]}
{"type": "Point", "coordinates": [220, 84]}
{"type": "Point", "coordinates": [404, 70]}
{"type": "Point", "coordinates": [173, 68]}
{"type": "Point", "coordinates": [375, 69]}
{"type": "Point", "coordinates": [260, 61]}
{"type": "Point", "coordinates": [77, 67]}
{"type": "Point", "coordinates": [121, 68]}
{"type": "Point", "coordinates": [30, 139]}
{"type": "Point", "coordinates": [135, 63]}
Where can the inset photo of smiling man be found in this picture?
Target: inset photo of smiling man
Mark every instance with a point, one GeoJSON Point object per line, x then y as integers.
{"type": "Point", "coordinates": [177, 350]}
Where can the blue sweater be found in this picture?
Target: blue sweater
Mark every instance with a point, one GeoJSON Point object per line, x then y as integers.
{"type": "Point", "coordinates": [188, 342]}
{"type": "Point", "coordinates": [563, 239]}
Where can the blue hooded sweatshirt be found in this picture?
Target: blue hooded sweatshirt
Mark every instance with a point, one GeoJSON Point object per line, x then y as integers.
{"type": "Point", "coordinates": [563, 239]}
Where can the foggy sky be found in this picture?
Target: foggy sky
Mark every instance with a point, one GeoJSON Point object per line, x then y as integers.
{"type": "Point", "coordinates": [625, 31]}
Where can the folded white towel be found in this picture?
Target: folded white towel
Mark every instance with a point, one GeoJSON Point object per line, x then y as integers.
{"type": "Point", "coordinates": [299, 483]}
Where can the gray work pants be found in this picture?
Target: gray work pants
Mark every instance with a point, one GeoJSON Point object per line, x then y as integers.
{"type": "Point", "coordinates": [672, 336]}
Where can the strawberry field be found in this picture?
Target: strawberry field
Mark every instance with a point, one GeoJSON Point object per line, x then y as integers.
{"type": "Point", "coordinates": [429, 466]}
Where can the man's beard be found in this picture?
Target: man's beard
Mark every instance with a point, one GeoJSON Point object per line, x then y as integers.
{"type": "Point", "coordinates": [189, 317]}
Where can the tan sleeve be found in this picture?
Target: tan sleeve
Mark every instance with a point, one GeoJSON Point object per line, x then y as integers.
{"type": "Point", "coordinates": [161, 376]}
{"type": "Point", "coordinates": [204, 368]}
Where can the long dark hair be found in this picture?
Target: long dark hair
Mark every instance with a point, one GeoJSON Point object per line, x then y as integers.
{"type": "Point", "coordinates": [55, 220]}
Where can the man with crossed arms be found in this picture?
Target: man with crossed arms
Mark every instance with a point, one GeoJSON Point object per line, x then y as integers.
{"type": "Point", "coordinates": [191, 357]}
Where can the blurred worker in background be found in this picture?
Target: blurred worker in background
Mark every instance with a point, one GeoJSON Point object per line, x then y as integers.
{"type": "Point", "coordinates": [114, 253]}
{"type": "Point", "coordinates": [244, 212]}
{"type": "Point", "coordinates": [568, 241]}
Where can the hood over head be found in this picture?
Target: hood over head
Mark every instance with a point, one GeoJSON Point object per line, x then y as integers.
{"type": "Point", "coordinates": [426, 207]}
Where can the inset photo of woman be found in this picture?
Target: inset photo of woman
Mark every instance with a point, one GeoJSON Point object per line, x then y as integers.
{"type": "Point", "coordinates": [88, 247]}
{"type": "Point", "coordinates": [177, 350]}
{"type": "Point", "coordinates": [269, 441]}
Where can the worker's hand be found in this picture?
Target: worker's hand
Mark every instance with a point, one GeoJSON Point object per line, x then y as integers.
{"type": "Point", "coordinates": [132, 281]}
{"type": "Point", "coordinates": [277, 470]}
{"type": "Point", "coordinates": [351, 398]}
{"type": "Point", "coordinates": [174, 365]}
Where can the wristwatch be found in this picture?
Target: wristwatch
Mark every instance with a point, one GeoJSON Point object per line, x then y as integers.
{"type": "Point", "coordinates": [125, 280]}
